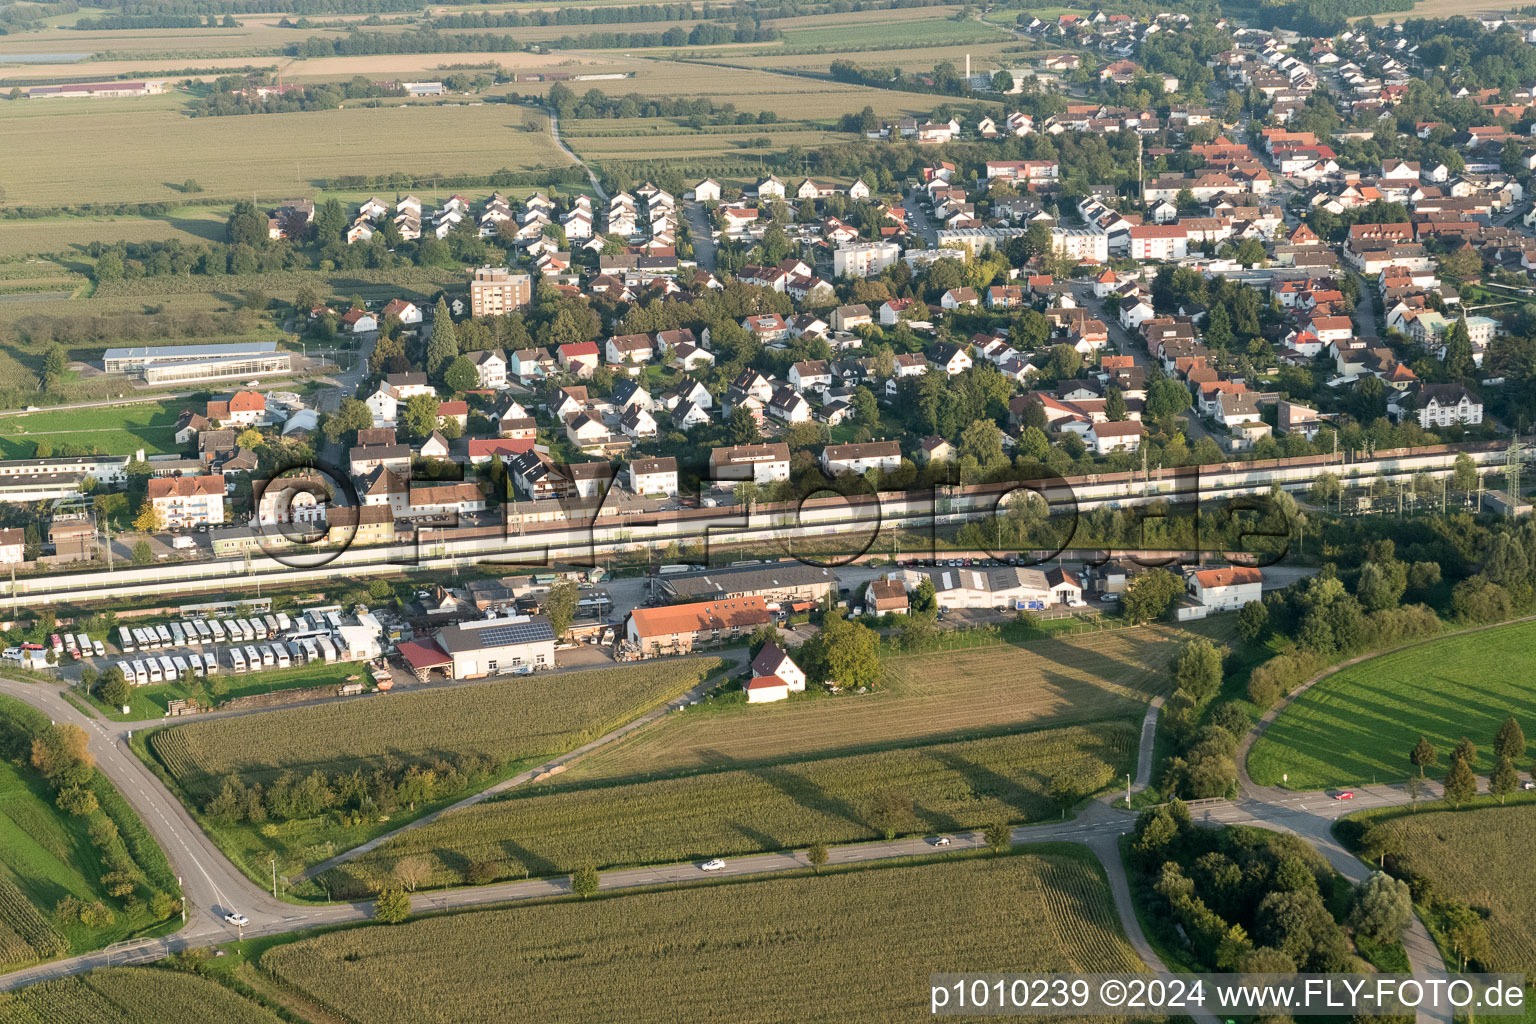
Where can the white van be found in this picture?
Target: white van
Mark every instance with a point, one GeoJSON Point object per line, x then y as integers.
{"type": "Point", "coordinates": [178, 638]}
{"type": "Point", "coordinates": [211, 662]}
{"type": "Point", "coordinates": [98, 648]}
{"type": "Point", "coordinates": [128, 672]}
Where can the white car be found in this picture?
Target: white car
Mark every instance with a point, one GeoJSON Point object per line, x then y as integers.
{"type": "Point", "coordinates": [712, 865]}
{"type": "Point", "coordinates": [941, 841]}
{"type": "Point", "coordinates": [237, 919]}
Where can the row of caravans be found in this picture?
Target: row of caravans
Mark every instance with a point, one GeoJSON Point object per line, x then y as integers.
{"type": "Point", "coordinates": [196, 632]}
{"type": "Point", "coordinates": [250, 658]}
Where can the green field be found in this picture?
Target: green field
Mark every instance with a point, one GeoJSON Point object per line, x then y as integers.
{"type": "Point", "coordinates": [1481, 856]}
{"type": "Point", "coordinates": [848, 946]}
{"type": "Point", "coordinates": [47, 855]}
{"type": "Point", "coordinates": [130, 995]}
{"type": "Point", "coordinates": [112, 430]}
{"type": "Point", "coordinates": [81, 151]}
{"type": "Point", "coordinates": [1358, 725]}
{"type": "Point", "coordinates": [877, 33]}
{"type": "Point", "coordinates": [938, 788]}
{"type": "Point", "coordinates": [947, 695]}
{"type": "Point", "coordinates": [150, 701]}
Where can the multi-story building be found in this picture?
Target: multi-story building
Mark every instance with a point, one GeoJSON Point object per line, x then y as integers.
{"type": "Point", "coordinates": [497, 290]}
{"type": "Point", "coordinates": [759, 463]}
{"type": "Point", "coordinates": [184, 501]}
{"type": "Point", "coordinates": [857, 458]}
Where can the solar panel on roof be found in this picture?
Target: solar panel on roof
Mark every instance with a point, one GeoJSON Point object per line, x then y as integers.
{"type": "Point", "coordinates": [513, 633]}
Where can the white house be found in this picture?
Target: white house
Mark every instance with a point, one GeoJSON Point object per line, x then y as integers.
{"type": "Point", "coordinates": [654, 476]}
{"type": "Point", "coordinates": [772, 661]}
{"type": "Point", "coordinates": [857, 458]}
{"type": "Point", "coordinates": [1226, 589]}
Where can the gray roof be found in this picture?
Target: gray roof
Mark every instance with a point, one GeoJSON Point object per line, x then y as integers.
{"type": "Point", "coordinates": [498, 633]}
{"type": "Point", "coordinates": [190, 351]}
{"type": "Point", "coordinates": [740, 579]}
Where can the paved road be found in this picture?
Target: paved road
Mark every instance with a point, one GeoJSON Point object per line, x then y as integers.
{"type": "Point", "coordinates": [211, 883]}
{"type": "Point", "coordinates": [917, 219]}
{"type": "Point", "coordinates": [1365, 311]}
{"type": "Point", "coordinates": [701, 233]}
{"type": "Point", "coordinates": [554, 133]}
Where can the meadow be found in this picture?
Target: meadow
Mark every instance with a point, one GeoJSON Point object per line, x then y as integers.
{"type": "Point", "coordinates": [130, 995]}
{"type": "Point", "coordinates": [505, 720]}
{"type": "Point", "coordinates": [938, 788]}
{"type": "Point", "coordinates": [114, 430]}
{"type": "Point", "coordinates": [1481, 856]}
{"type": "Point", "coordinates": [950, 695]}
{"type": "Point", "coordinates": [150, 701]}
{"type": "Point", "coordinates": [847, 946]}
{"type": "Point", "coordinates": [81, 151]}
{"type": "Point", "coordinates": [1358, 725]}
{"type": "Point", "coordinates": [47, 855]}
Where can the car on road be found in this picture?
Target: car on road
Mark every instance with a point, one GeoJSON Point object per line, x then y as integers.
{"type": "Point", "coordinates": [1346, 794]}
{"type": "Point", "coordinates": [712, 865]}
{"type": "Point", "coordinates": [1528, 784]}
{"type": "Point", "coordinates": [237, 919]}
{"type": "Point", "coordinates": [941, 841]}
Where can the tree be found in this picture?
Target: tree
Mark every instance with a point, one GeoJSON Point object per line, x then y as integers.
{"type": "Point", "coordinates": [1114, 405]}
{"type": "Point", "coordinates": [1383, 909]}
{"type": "Point", "coordinates": [142, 553]}
{"type": "Point", "coordinates": [249, 439]}
{"type": "Point", "coordinates": [1253, 621]}
{"type": "Point", "coordinates": [419, 416]}
{"type": "Point", "coordinates": [865, 408]}
{"type": "Point", "coordinates": [741, 428]}
{"type": "Point", "coordinates": [1197, 668]}
{"type": "Point", "coordinates": [999, 836]}
{"type": "Point", "coordinates": [1505, 779]}
{"type": "Point", "coordinates": [1423, 755]}
{"type": "Point", "coordinates": [1166, 398]}
{"type": "Point", "coordinates": [55, 362]}
{"type": "Point", "coordinates": [114, 688]}
{"type": "Point", "coordinates": [1457, 354]}
{"type": "Point", "coordinates": [1467, 932]}
{"type": "Point", "coordinates": [1064, 792]}
{"type": "Point", "coordinates": [59, 754]}
{"type": "Point", "coordinates": [461, 375]}
{"type": "Point", "coordinates": [584, 882]}
{"type": "Point", "coordinates": [149, 519]}
{"type": "Point", "coordinates": [1509, 741]}
{"type": "Point", "coordinates": [1460, 783]}
{"type": "Point", "coordinates": [444, 344]}
{"type": "Point", "coordinates": [817, 855]}
{"type": "Point", "coordinates": [982, 440]}
{"type": "Point", "coordinates": [844, 652]}
{"type": "Point", "coordinates": [1149, 594]}
{"type": "Point", "coordinates": [412, 872]}
{"type": "Point", "coordinates": [350, 416]}
{"type": "Point", "coordinates": [560, 605]}
{"type": "Point", "coordinates": [393, 905]}
{"type": "Point", "coordinates": [1464, 474]}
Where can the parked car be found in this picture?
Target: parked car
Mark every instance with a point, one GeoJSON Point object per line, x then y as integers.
{"type": "Point", "coordinates": [712, 865]}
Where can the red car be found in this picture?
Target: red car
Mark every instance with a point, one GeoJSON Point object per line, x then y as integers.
{"type": "Point", "coordinates": [1346, 795]}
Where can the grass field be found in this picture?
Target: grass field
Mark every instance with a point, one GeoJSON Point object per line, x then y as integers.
{"type": "Point", "coordinates": [1358, 725]}
{"type": "Point", "coordinates": [507, 720]}
{"type": "Point", "coordinates": [116, 430]}
{"type": "Point", "coordinates": [805, 949]}
{"type": "Point", "coordinates": [130, 995]}
{"type": "Point", "coordinates": [880, 32]}
{"type": "Point", "coordinates": [908, 58]}
{"type": "Point", "coordinates": [1481, 856]}
{"type": "Point", "coordinates": [46, 855]}
{"type": "Point", "coordinates": [189, 224]}
{"type": "Point", "coordinates": [938, 788]}
{"type": "Point", "coordinates": [150, 701]}
{"type": "Point", "coordinates": [79, 151]}
{"type": "Point", "coordinates": [927, 697]}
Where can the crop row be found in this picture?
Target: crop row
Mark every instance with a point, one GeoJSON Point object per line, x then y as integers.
{"type": "Point", "coordinates": [938, 788]}
{"type": "Point", "coordinates": [36, 938]}
{"type": "Point", "coordinates": [130, 996]}
{"type": "Point", "coordinates": [505, 721]}
{"type": "Point", "coordinates": [849, 947]}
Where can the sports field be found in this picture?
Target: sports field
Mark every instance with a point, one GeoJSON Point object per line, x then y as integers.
{"type": "Point", "coordinates": [943, 787]}
{"type": "Point", "coordinates": [951, 694]}
{"type": "Point", "coordinates": [115, 430]}
{"type": "Point", "coordinates": [1358, 725]}
{"type": "Point", "coordinates": [80, 151]}
{"type": "Point", "coordinates": [848, 946]}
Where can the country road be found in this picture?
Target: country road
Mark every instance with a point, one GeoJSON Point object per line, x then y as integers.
{"type": "Point", "coordinates": [213, 885]}
{"type": "Point", "coordinates": [554, 133]}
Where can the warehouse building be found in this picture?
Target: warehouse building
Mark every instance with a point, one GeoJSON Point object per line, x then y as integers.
{"type": "Point", "coordinates": [982, 587]}
{"type": "Point", "coordinates": [491, 647]}
{"type": "Point", "coordinates": [774, 582]}
{"type": "Point", "coordinates": [162, 364]}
